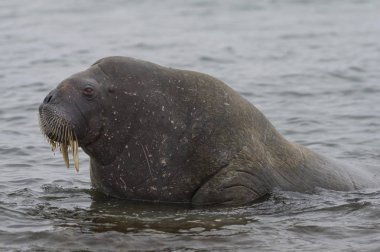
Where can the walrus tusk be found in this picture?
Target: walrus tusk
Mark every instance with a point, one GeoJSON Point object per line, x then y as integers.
{"type": "Point", "coordinates": [65, 155]}
{"type": "Point", "coordinates": [74, 151]}
{"type": "Point", "coordinates": [75, 155]}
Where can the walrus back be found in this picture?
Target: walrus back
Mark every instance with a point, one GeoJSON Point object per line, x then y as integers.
{"type": "Point", "coordinates": [200, 138]}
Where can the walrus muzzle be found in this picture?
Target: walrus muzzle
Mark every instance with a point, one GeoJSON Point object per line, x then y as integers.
{"type": "Point", "coordinates": [59, 133]}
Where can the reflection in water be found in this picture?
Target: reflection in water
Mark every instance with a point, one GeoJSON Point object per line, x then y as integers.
{"type": "Point", "coordinates": [67, 216]}
{"type": "Point", "coordinates": [110, 214]}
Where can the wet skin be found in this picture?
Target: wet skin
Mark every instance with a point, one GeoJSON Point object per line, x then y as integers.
{"type": "Point", "coordinates": [166, 135]}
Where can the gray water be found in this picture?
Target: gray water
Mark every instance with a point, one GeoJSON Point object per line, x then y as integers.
{"type": "Point", "coordinates": [311, 66]}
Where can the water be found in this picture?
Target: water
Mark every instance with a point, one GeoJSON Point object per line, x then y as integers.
{"type": "Point", "coordinates": [311, 66]}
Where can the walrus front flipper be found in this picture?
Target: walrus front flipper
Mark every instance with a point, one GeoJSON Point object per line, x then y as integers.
{"type": "Point", "coordinates": [235, 184]}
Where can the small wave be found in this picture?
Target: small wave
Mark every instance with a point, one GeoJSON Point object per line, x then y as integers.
{"type": "Point", "coordinates": [217, 60]}
{"type": "Point", "coordinates": [355, 117]}
{"type": "Point", "coordinates": [15, 118]}
{"type": "Point", "coordinates": [33, 84]}
{"type": "Point", "coordinates": [322, 143]}
{"type": "Point", "coordinates": [45, 61]}
{"type": "Point", "coordinates": [295, 94]}
{"type": "Point", "coordinates": [357, 69]}
{"type": "Point", "coordinates": [18, 165]}
{"type": "Point", "coordinates": [13, 151]}
{"type": "Point", "coordinates": [370, 90]}
{"type": "Point", "coordinates": [25, 193]}
{"type": "Point", "coordinates": [14, 133]}
{"type": "Point", "coordinates": [247, 94]}
{"type": "Point", "coordinates": [56, 188]}
{"type": "Point", "coordinates": [307, 35]}
{"type": "Point", "coordinates": [16, 220]}
{"type": "Point", "coordinates": [345, 76]}
{"type": "Point", "coordinates": [285, 202]}
{"type": "Point", "coordinates": [25, 182]}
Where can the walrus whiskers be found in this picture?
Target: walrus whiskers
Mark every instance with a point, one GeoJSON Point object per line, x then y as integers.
{"type": "Point", "coordinates": [59, 133]}
{"type": "Point", "coordinates": [53, 145]}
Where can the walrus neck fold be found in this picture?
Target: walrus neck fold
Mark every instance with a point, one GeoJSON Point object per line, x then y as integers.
{"type": "Point", "coordinates": [107, 146]}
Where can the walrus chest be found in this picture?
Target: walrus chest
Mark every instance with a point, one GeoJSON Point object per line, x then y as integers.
{"type": "Point", "coordinates": [139, 180]}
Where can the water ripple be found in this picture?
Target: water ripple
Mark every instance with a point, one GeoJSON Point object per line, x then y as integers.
{"type": "Point", "coordinates": [13, 151]}
{"type": "Point", "coordinates": [318, 82]}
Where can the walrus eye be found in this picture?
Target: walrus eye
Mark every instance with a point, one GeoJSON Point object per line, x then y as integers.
{"type": "Point", "coordinates": [88, 91]}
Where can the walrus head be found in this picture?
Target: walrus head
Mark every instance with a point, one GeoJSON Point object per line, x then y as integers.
{"type": "Point", "coordinates": [95, 110]}
{"type": "Point", "coordinates": [70, 115]}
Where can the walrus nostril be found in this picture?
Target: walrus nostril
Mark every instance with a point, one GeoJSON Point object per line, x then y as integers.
{"type": "Point", "coordinates": [48, 99]}
{"type": "Point", "coordinates": [51, 96]}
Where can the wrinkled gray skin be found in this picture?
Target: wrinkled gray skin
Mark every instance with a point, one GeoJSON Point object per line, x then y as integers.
{"type": "Point", "coordinates": [166, 135]}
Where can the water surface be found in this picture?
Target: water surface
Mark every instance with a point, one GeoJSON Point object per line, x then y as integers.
{"type": "Point", "coordinates": [311, 66]}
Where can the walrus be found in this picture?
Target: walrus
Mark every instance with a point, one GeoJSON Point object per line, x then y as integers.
{"type": "Point", "coordinates": [166, 135]}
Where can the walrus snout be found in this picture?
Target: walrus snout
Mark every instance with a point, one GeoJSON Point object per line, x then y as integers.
{"type": "Point", "coordinates": [50, 97]}
{"type": "Point", "coordinates": [70, 114]}
{"type": "Point", "coordinates": [60, 115]}
{"type": "Point", "coordinates": [53, 122]}
{"type": "Point", "coordinates": [58, 130]}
